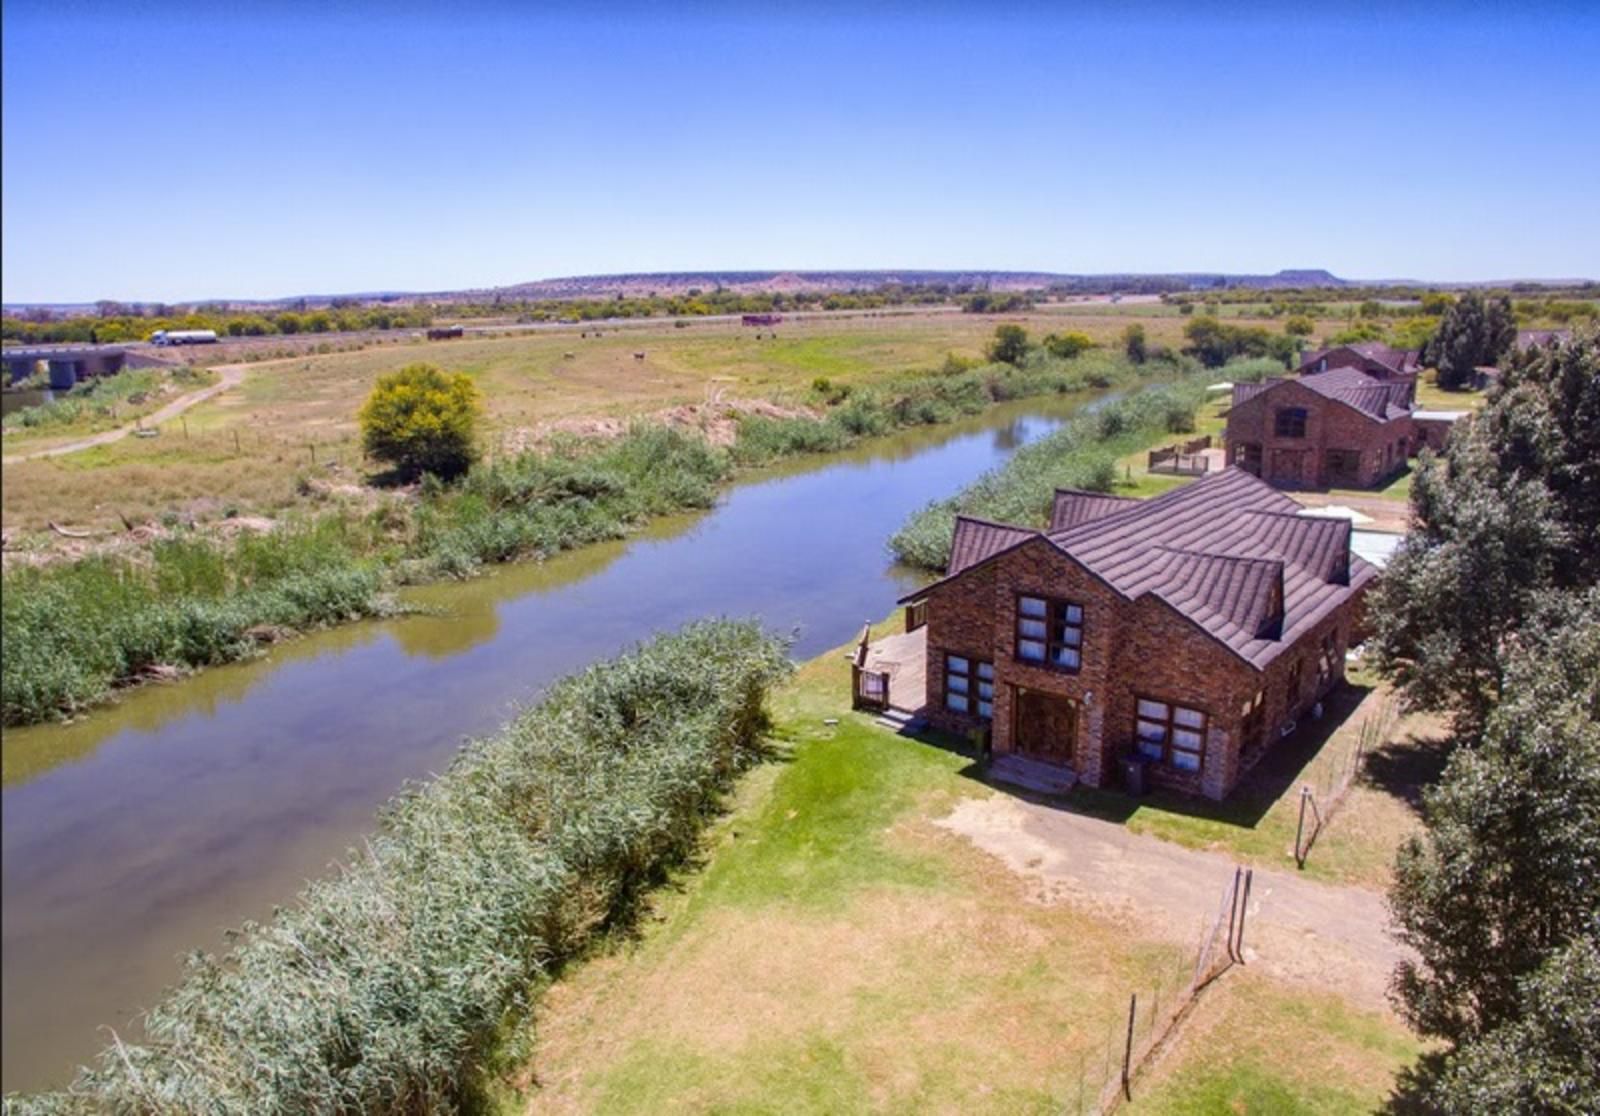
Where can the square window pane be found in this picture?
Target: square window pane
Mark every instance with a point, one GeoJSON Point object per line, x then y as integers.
{"type": "Point", "coordinates": [1185, 761]}
{"type": "Point", "coordinates": [985, 690]}
{"type": "Point", "coordinates": [1072, 637]}
{"type": "Point", "coordinates": [956, 664]}
{"type": "Point", "coordinates": [1191, 717]}
{"type": "Point", "coordinates": [1150, 749]}
{"type": "Point", "coordinates": [1149, 730]}
{"type": "Point", "coordinates": [1185, 738]}
{"type": "Point", "coordinates": [985, 710]}
{"type": "Point", "coordinates": [958, 702]}
{"type": "Point", "coordinates": [985, 670]}
{"type": "Point", "coordinates": [1031, 606]}
{"type": "Point", "coordinates": [1074, 614]}
{"type": "Point", "coordinates": [956, 683]}
{"type": "Point", "coordinates": [1066, 657]}
{"type": "Point", "coordinates": [1157, 709]}
{"type": "Point", "coordinates": [1031, 649]}
{"type": "Point", "coordinates": [1032, 628]}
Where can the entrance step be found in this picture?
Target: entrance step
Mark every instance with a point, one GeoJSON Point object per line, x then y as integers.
{"type": "Point", "coordinates": [1033, 775]}
{"type": "Point", "coordinates": [899, 721]}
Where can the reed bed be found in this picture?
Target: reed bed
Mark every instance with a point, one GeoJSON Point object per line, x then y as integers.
{"type": "Point", "coordinates": [384, 989]}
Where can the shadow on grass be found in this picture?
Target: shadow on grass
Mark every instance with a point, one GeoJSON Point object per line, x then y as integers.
{"type": "Point", "coordinates": [1403, 769]}
{"type": "Point", "coordinates": [1284, 765]}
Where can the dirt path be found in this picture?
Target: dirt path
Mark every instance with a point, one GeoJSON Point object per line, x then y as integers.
{"type": "Point", "coordinates": [1329, 936]}
{"type": "Point", "coordinates": [231, 376]}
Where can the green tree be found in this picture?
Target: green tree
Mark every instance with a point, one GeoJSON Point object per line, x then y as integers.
{"type": "Point", "coordinates": [1068, 345]}
{"type": "Point", "coordinates": [421, 420]}
{"type": "Point", "coordinates": [1472, 334]}
{"type": "Point", "coordinates": [1299, 326]}
{"type": "Point", "coordinates": [1134, 344]}
{"type": "Point", "coordinates": [1010, 344]}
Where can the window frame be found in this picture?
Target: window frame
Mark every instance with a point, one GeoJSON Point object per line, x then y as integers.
{"type": "Point", "coordinates": [971, 692]}
{"type": "Point", "coordinates": [1170, 725]}
{"type": "Point", "coordinates": [1057, 619]}
{"type": "Point", "coordinates": [1300, 414]}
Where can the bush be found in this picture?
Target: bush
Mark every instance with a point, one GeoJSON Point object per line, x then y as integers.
{"type": "Point", "coordinates": [421, 420]}
{"type": "Point", "coordinates": [1010, 344]}
{"type": "Point", "coordinates": [1065, 346]}
{"type": "Point", "coordinates": [383, 989]}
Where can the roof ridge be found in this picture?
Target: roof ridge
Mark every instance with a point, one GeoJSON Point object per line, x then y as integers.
{"type": "Point", "coordinates": [1191, 553]}
{"type": "Point", "coordinates": [997, 523]}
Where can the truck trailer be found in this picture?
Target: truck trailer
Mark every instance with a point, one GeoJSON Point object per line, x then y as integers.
{"type": "Point", "coordinates": [184, 337]}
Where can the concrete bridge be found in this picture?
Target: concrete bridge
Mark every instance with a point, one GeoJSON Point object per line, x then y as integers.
{"type": "Point", "coordinates": [67, 364]}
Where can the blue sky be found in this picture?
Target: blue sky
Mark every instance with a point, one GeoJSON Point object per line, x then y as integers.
{"type": "Point", "coordinates": [170, 151]}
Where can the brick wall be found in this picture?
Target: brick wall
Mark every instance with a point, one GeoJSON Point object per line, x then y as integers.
{"type": "Point", "coordinates": [1303, 462]}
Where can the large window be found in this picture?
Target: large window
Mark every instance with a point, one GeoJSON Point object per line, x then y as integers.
{"type": "Point", "coordinates": [1049, 632]}
{"type": "Point", "coordinates": [1344, 463]}
{"type": "Point", "coordinates": [969, 686]}
{"type": "Point", "coordinates": [1290, 422]}
{"type": "Point", "coordinates": [1171, 734]}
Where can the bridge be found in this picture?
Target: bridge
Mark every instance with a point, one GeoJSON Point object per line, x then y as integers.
{"type": "Point", "coordinates": [67, 364]}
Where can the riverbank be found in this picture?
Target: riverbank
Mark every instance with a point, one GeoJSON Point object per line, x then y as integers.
{"type": "Point", "coordinates": [79, 631]}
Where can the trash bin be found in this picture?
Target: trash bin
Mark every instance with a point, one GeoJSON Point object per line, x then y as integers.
{"type": "Point", "coordinates": [1133, 775]}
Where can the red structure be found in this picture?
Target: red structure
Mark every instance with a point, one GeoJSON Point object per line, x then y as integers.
{"type": "Point", "coordinates": [761, 319]}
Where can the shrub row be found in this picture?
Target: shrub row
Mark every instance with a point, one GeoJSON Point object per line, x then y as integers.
{"type": "Point", "coordinates": [74, 631]}
{"type": "Point", "coordinates": [383, 990]}
{"type": "Point", "coordinates": [1082, 453]}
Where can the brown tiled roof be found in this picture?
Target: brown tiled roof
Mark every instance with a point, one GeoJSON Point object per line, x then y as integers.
{"type": "Point", "coordinates": [1377, 399]}
{"type": "Point", "coordinates": [1528, 338]}
{"type": "Point", "coordinates": [1074, 506]}
{"type": "Point", "coordinates": [977, 539]}
{"type": "Point", "coordinates": [1228, 551]}
{"type": "Point", "coordinates": [1396, 360]}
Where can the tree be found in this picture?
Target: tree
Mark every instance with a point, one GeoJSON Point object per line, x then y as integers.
{"type": "Point", "coordinates": [1133, 343]}
{"type": "Point", "coordinates": [1299, 326]}
{"type": "Point", "coordinates": [1504, 874]}
{"type": "Point", "coordinates": [1512, 508]}
{"type": "Point", "coordinates": [1547, 1061]}
{"type": "Point", "coordinates": [1068, 345]}
{"type": "Point", "coordinates": [1010, 344]}
{"type": "Point", "coordinates": [421, 420]}
{"type": "Point", "coordinates": [1472, 334]}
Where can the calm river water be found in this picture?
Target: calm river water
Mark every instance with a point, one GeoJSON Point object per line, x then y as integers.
{"type": "Point", "coordinates": [149, 827]}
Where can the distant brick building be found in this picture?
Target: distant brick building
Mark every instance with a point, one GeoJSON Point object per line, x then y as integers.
{"type": "Point", "coordinates": [1372, 357]}
{"type": "Point", "coordinates": [1335, 429]}
{"type": "Point", "coordinates": [1190, 630]}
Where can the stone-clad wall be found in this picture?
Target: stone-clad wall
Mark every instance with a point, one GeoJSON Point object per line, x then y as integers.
{"type": "Point", "coordinates": [1383, 446]}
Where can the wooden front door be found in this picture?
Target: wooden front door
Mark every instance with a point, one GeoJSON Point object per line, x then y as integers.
{"type": "Point", "coordinates": [1288, 468]}
{"type": "Point", "coordinates": [1044, 726]}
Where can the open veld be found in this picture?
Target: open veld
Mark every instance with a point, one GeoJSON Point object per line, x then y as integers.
{"type": "Point", "coordinates": [876, 928]}
{"type": "Point", "coordinates": [249, 449]}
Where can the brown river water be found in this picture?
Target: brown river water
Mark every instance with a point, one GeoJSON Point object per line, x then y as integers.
{"type": "Point", "coordinates": [149, 827]}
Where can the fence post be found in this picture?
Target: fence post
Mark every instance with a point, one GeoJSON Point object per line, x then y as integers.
{"type": "Point", "coordinates": [1300, 829]}
{"type": "Point", "coordinates": [1233, 912]}
{"type": "Point", "coordinates": [1244, 904]}
{"type": "Point", "coordinates": [1127, 1046]}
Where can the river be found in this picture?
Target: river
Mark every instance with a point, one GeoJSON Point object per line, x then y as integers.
{"type": "Point", "coordinates": [146, 829]}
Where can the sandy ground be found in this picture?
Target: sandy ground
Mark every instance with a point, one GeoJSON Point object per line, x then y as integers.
{"type": "Point", "coordinates": [231, 375]}
{"type": "Point", "coordinates": [1298, 930]}
{"type": "Point", "coordinates": [1385, 515]}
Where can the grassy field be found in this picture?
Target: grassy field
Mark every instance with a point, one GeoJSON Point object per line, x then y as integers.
{"type": "Point", "coordinates": [249, 448]}
{"type": "Point", "coordinates": [839, 952]}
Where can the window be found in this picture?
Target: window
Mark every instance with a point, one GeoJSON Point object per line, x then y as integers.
{"type": "Point", "coordinates": [1049, 632]}
{"type": "Point", "coordinates": [1249, 456]}
{"type": "Point", "coordinates": [1292, 690]}
{"type": "Point", "coordinates": [1290, 422]}
{"type": "Point", "coordinates": [1344, 463]}
{"type": "Point", "coordinates": [1170, 734]}
{"type": "Point", "coordinates": [968, 686]}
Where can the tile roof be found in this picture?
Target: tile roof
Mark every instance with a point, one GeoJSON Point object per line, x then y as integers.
{"type": "Point", "coordinates": [1396, 360]}
{"type": "Point", "coordinates": [1228, 551]}
{"type": "Point", "coordinates": [1528, 338]}
{"type": "Point", "coordinates": [1377, 399]}
{"type": "Point", "coordinates": [1073, 506]}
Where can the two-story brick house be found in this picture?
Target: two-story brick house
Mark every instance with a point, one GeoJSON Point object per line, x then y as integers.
{"type": "Point", "coordinates": [1188, 629]}
{"type": "Point", "coordinates": [1372, 357]}
{"type": "Point", "coordinates": [1335, 429]}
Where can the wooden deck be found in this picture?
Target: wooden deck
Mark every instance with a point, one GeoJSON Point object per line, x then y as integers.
{"type": "Point", "coordinates": [904, 658]}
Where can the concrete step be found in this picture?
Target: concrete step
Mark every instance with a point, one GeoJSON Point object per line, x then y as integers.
{"type": "Point", "coordinates": [1033, 775]}
{"type": "Point", "coordinates": [898, 720]}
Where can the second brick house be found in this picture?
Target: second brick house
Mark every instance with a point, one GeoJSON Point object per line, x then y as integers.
{"type": "Point", "coordinates": [1190, 630]}
{"type": "Point", "coordinates": [1336, 429]}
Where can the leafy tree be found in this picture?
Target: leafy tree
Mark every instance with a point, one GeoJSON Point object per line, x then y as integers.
{"type": "Point", "coordinates": [1472, 334]}
{"type": "Point", "coordinates": [1068, 345]}
{"type": "Point", "coordinates": [1010, 344]}
{"type": "Point", "coordinates": [1299, 326]}
{"type": "Point", "coordinates": [1548, 1059]}
{"type": "Point", "coordinates": [1371, 308]}
{"type": "Point", "coordinates": [1134, 344]}
{"type": "Point", "coordinates": [1512, 508]}
{"type": "Point", "coordinates": [1506, 871]}
{"type": "Point", "coordinates": [421, 421]}
{"type": "Point", "coordinates": [1214, 343]}
{"type": "Point", "coordinates": [1435, 303]}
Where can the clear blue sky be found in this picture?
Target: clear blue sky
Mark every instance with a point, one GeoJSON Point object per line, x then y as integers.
{"type": "Point", "coordinates": [171, 151]}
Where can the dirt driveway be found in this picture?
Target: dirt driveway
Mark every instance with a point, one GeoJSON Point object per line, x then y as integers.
{"type": "Point", "coordinates": [231, 376]}
{"type": "Point", "coordinates": [1331, 937]}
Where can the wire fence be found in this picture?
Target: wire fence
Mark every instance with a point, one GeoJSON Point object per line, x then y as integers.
{"type": "Point", "coordinates": [1132, 1035]}
{"type": "Point", "coordinates": [1331, 777]}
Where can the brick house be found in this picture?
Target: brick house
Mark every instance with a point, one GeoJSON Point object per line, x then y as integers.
{"type": "Point", "coordinates": [1372, 357]}
{"type": "Point", "coordinates": [1191, 629]}
{"type": "Point", "coordinates": [1335, 429]}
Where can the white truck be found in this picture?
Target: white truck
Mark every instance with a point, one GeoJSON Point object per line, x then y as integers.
{"type": "Point", "coordinates": [184, 337]}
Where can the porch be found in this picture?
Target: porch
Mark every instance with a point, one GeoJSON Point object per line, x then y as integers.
{"type": "Point", "coordinates": [891, 673]}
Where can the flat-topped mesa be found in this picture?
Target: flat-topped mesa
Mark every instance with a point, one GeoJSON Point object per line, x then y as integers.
{"type": "Point", "coordinates": [1217, 603]}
